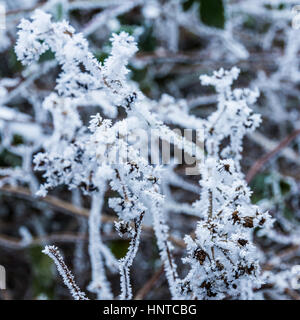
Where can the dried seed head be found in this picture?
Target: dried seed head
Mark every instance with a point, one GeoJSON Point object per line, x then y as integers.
{"type": "Point", "coordinates": [248, 222]}
{"type": "Point", "coordinates": [235, 217]}
{"type": "Point", "coordinates": [242, 242]}
{"type": "Point", "coordinates": [200, 255]}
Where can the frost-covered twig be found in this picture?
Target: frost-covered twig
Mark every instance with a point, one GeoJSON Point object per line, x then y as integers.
{"type": "Point", "coordinates": [99, 283]}
{"type": "Point", "coordinates": [65, 273]}
{"type": "Point", "coordinates": [126, 262]}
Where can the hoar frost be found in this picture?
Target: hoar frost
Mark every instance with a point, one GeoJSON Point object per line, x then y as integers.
{"type": "Point", "coordinates": [221, 255]}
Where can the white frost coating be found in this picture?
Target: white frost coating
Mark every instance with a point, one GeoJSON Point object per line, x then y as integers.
{"type": "Point", "coordinates": [165, 248]}
{"type": "Point", "coordinates": [221, 259]}
{"type": "Point", "coordinates": [126, 262]}
{"type": "Point", "coordinates": [99, 283]}
{"type": "Point", "coordinates": [65, 273]}
{"type": "Point", "coordinates": [233, 118]}
{"type": "Point", "coordinates": [123, 48]}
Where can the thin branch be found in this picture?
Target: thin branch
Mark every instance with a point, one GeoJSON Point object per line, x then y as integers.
{"type": "Point", "coordinates": [53, 202]}
{"type": "Point", "coordinates": [99, 283]}
{"type": "Point", "coordinates": [126, 262]}
{"type": "Point", "coordinates": [265, 158]}
{"type": "Point", "coordinates": [14, 243]}
{"type": "Point", "coordinates": [67, 208]}
{"type": "Point", "coordinates": [65, 273]}
{"type": "Point", "coordinates": [142, 293]}
{"type": "Point", "coordinates": [210, 206]}
{"type": "Point", "coordinates": [269, 145]}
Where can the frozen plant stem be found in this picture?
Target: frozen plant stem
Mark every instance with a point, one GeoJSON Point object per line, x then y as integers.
{"type": "Point", "coordinates": [126, 262]}
{"type": "Point", "coordinates": [65, 273]}
{"type": "Point", "coordinates": [99, 283]}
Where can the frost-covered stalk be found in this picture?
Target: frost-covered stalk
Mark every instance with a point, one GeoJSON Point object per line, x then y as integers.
{"type": "Point", "coordinates": [126, 262]}
{"type": "Point", "coordinates": [99, 283]}
{"type": "Point", "coordinates": [165, 248]}
{"type": "Point", "coordinates": [79, 263]}
{"type": "Point", "coordinates": [222, 256]}
{"type": "Point", "coordinates": [65, 273]}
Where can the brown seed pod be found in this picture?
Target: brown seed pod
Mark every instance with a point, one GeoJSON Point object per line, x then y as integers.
{"type": "Point", "coordinates": [242, 242]}
{"type": "Point", "coordinates": [248, 222]}
{"type": "Point", "coordinates": [200, 255]}
{"type": "Point", "coordinates": [235, 217]}
{"type": "Point", "coordinates": [262, 221]}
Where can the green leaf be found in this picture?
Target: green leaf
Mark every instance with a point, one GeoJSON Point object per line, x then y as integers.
{"type": "Point", "coordinates": [119, 248]}
{"type": "Point", "coordinates": [212, 13]}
